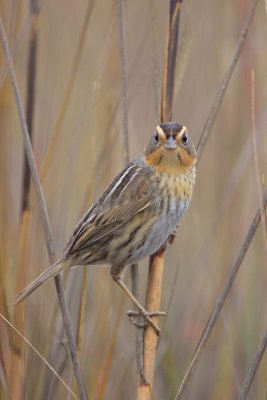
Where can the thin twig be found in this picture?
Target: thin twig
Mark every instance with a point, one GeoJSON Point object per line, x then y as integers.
{"type": "Point", "coordinates": [170, 61]}
{"type": "Point", "coordinates": [40, 356]}
{"type": "Point", "coordinates": [139, 341]}
{"type": "Point", "coordinates": [226, 79]}
{"type": "Point", "coordinates": [31, 80]}
{"type": "Point", "coordinates": [81, 312]}
{"type": "Point", "coordinates": [170, 301]}
{"type": "Point", "coordinates": [124, 83]}
{"type": "Point", "coordinates": [253, 369]}
{"type": "Point", "coordinates": [221, 299]}
{"type": "Point", "coordinates": [43, 211]}
{"type": "Point", "coordinates": [155, 58]}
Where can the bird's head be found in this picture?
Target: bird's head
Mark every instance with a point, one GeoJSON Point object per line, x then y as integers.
{"type": "Point", "coordinates": [170, 149]}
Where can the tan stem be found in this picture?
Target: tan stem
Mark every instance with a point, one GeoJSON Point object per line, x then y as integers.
{"type": "Point", "coordinates": [153, 298]}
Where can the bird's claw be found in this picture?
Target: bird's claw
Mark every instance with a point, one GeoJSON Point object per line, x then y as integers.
{"type": "Point", "coordinates": [142, 320]}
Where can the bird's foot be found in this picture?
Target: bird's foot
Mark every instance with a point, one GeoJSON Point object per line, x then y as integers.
{"type": "Point", "coordinates": [141, 320]}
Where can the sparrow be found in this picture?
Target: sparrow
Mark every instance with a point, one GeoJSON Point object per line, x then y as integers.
{"type": "Point", "coordinates": [136, 214]}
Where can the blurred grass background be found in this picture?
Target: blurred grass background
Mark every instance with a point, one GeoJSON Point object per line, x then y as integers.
{"type": "Point", "coordinates": [87, 154]}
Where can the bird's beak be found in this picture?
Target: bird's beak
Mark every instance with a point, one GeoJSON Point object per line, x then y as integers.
{"type": "Point", "coordinates": [171, 144]}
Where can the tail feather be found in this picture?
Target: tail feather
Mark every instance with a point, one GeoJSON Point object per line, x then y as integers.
{"type": "Point", "coordinates": [50, 272]}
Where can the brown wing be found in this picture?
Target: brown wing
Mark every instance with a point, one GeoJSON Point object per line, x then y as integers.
{"type": "Point", "coordinates": [128, 195]}
{"type": "Point", "coordinates": [106, 223]}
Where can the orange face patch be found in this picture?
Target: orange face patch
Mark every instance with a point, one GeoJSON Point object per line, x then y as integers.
{"type": "Point", "coordinates": [154, 159]}
{"type": "Point", "coordinates": [170, 162]}
{"type": "Point", "coordinates": [185, 158]}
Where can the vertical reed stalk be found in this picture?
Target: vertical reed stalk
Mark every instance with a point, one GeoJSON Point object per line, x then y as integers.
{"type": "Point", "coordinates": [155, 276]}
{"type": "Point", "coordinates": [31, 81]}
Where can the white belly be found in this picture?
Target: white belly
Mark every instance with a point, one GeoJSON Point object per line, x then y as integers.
{"type": "Point", "coordinates": [162, 229]}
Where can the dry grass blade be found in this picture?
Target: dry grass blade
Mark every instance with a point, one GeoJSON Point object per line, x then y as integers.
{"type": "Point", "coordinates": [81, 316]}
{"type": "Point", "coordinates": [31, 81]}
{"type": "Point", "coordinates": [40, 356]}
{"type": "Point", "coordinates": [226, 79]}
{"type": "Point", "coordinates": [139, 343]}
{"type": "Point", "coordinates": [124, 82]}
{"type": "Point", "coordinates": [253, 369]}
{"type": "Point", "coordinates": [43, 210]}
{"type": "Point", "coordinates": [170, 61]}
{"type": "Point", "coordinates": [221, 299]}
{"type": "Point", "coordinates": [171, 295]}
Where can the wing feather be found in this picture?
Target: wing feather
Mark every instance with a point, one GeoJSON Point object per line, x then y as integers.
{"type": "Point", "coordinates": [128, 195]}
{"type": "Point", "coordinates": [112, 219]}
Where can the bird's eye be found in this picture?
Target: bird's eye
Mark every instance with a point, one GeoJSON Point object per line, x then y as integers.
{"type": "Point", "coordinates": [156, 138]}
{"type": "Point", "coordinates": [185, 138]}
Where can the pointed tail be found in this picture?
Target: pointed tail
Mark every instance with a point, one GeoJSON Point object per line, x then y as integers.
{"type": "Point", "coordinates": [50, 272]}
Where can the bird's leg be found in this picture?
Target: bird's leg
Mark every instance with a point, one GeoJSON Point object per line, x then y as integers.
{"type": "Point", "coordinates": [116, 275]}
{"type": "Point", "coordinates": [133, 314]}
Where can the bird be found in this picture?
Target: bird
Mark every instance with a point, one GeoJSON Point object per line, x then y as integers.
{"type": "Point", "coordinates": [136, 214]}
